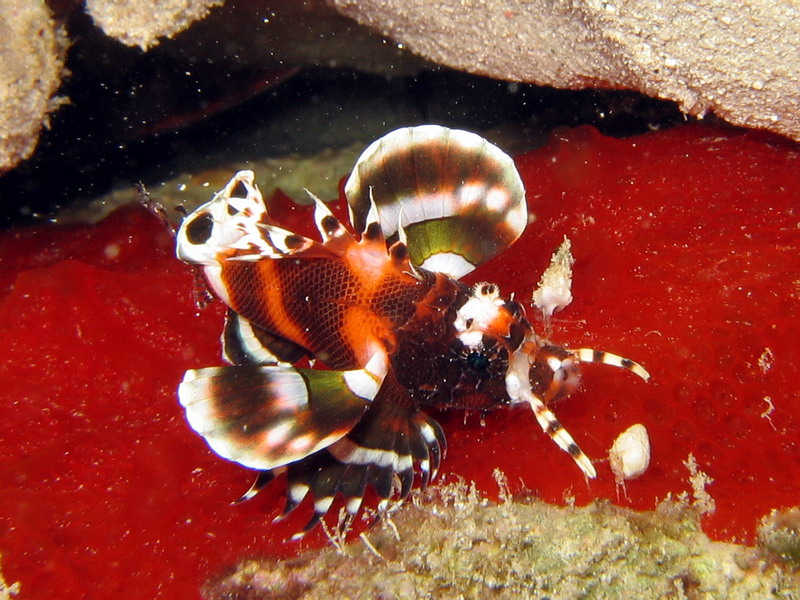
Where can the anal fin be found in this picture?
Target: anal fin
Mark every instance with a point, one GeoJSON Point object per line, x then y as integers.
{"type": "Point", "coordinates": [391, 443]}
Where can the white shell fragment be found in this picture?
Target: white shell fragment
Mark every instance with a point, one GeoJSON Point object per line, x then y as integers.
{"type": "Point", "coordinates": [555, 287]}
{"type": "Point", "coordinates": [630, 454]}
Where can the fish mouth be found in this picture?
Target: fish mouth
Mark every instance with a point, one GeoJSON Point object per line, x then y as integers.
{"type": "Point", "coordinates": [523, 386]}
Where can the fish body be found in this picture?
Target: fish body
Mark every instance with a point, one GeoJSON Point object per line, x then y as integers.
{"type": "Point", "coordinates": [382, 307]}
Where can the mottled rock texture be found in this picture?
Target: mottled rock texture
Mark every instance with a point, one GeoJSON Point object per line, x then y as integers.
{"type": "Point", "coordinates": [143, 24]}
{"type": "Point", "coordinates": [456, 545]}
{"type": "Point", "coordinates": [31, 63]}
{"type": "Point", "coordinates": [739, 60]}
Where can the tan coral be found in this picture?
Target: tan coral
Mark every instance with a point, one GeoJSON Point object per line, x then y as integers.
{"type": "Point", "coordinates": [31, 64]}
{"type": "Point", "coordinates": [739, 60]}
{"type": "Point", "coordinates": [143, 24]}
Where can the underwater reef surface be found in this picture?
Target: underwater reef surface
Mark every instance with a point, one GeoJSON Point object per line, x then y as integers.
{"type": "Point", "coordinates": [712, 56]}
{"type": "Point", "coordinates": [455, 544]}
{"type": "Point", "coordinates": [687, 260]}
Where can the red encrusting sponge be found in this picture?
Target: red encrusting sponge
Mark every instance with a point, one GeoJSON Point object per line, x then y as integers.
{"type": "Point", "coordinates": [687, 260]}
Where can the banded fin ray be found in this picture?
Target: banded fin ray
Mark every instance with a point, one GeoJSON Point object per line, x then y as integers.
{"type": "Point", "coordinates": [553, 427]}
{"type": "Point", "coordinates": [524, 386]}
{"type": "Point", "coordinates": [444, 187]}
{"type": "Point", "coordinates": [334, 234]}
{"type": "Point", "coordinates": [263, 479]}
{"type": "Point", "coordinates": [385, 447]}
{"type": "Point", "coordinates": [392, 442]}
{"type": "Point", "coordinates": [591, 355]}
{"type": "Point", "coordinates": [265, 417]}
{"type": "Point", "coordinates": [244, 343]}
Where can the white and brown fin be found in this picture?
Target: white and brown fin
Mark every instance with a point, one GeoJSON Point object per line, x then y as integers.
{"type": "Point", "coordinates": [384, 451]}
{"type": "Point", "coordinates": [555, 371]}
{"type": "Point", "coordinates": [264, 417]}
{"type": "Point", "coordinates": [234, 225]}
{"type": "Point", "coordinates": [443, 186]}
{"type": "Point", "coordinates": [553, 427]}
{"type": "Point", "coordinates": [372, 242]}
{"type": "Point", "coordinates": [244, 343]}
{"type": "Point", "coordinates": [263, 479]}
{"type": "Point", "coordinates": [334, 234]}
{"type": "Point", "coordinates": [206, 236]}
{"type": "Point", "coordinates": [524, 383]}
{"type": "Point", "coordinates": [591, 355]}
{"type": "Point", "coordinates": [553, 375]}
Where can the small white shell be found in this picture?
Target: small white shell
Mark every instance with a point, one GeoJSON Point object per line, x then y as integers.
{"type": "Point", "coordinates": [630, 454]}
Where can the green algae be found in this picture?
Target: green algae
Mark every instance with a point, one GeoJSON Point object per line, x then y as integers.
{"type": "Point", "coordinates": [779, 534]}
{"type": "Point", "coordinates": [454, 544]}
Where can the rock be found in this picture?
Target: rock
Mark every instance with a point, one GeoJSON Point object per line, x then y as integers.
{"type": "Point", "coordinates": [142, 24]}
{"type": "Point", "coordinates": [737, 60]}
{"type": "Point", "coordinates": [31, 63]}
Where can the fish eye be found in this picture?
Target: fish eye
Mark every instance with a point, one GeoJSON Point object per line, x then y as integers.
{"type": "Point", "coordinates": [198, 231]}
{"type": "Point", "coordinates": [486, 360]}
{"type": "Point", "coordinates": [478, 362]}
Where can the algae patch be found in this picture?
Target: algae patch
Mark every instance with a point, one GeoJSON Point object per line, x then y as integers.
{"type": "Point", "coordinates": [454, 544]}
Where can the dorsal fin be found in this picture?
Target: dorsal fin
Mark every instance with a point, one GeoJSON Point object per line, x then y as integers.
{"type": "Point", "coordinates": [334, 235]}
{"type": "Point", "coordinates": [372, 229]}
{"type": "Point", "coordinates": [459, 198]}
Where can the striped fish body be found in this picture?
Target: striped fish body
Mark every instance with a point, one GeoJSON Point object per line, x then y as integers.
{"type": "Point", "coordinates": [384, 311]}
{"type": "Point", "coordinates": [330, 311]}
{"type": "Point", "coordinates": [328, 306]}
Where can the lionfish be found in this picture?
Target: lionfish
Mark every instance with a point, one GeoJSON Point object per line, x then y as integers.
{"type": "Point", "coordinates": [384, 312]}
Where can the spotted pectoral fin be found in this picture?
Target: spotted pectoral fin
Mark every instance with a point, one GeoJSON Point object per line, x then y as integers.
{"type": "Point", "coordinates": [459, 198]}
{"type": "Point", "coordinates": [234, 225]}
{"type": "Point", "coordinates": [267, 417]}
{"type": "Point", "coordinates": [244, 343]}
{"type": "Point", "coordinates": [383, 448]}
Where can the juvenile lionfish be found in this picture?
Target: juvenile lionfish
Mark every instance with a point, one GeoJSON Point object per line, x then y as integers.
{"type": "Point", "coordinates": [385, 313]}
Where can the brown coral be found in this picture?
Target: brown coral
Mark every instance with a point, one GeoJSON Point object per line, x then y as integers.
{"type": "Point", "coordinates": [738, 60]}
{"type": "Point", "coordinates": [31, 63]}
{"type": "Point", "coordinates": [143, 24]}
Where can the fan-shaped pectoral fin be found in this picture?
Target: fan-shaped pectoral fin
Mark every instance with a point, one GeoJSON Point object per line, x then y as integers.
{"type": "Point", "coordinates": [459, 198]}
{"type": "Point", "coordinates": [265, 417]}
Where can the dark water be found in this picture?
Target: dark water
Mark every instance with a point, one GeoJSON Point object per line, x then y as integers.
{"type": "Point", "coordinates": [146, 117]}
